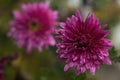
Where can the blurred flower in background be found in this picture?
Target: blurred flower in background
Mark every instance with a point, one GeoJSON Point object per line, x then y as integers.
{"type": "Point", "coordinates": [46, 65]}
{"type": "Point", "coordinates": [32, 27]}
{"type": "Point", "coordinates": [4, 61]}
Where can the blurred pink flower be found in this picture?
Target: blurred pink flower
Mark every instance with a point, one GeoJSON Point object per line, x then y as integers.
{"type": "Point", "coordinates": [83, 44]}
{"type": "Point", "coordinates": [6, 60]}
{"type": "Point", "coordinates": [32, 27]}
{"type": "Point", "coordinates": [2, 67]}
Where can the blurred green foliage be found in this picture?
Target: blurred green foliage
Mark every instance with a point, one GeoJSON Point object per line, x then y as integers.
{"type": "Point", "coordinates": [45, 65]}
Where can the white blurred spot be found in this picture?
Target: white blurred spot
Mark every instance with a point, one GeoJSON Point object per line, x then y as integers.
{"type": "Point", "coordinates": [118, 2]}
{"type": "Point", "coordinates": [116, 36]}
{"type": "Point", "coordinates": [74, 3]}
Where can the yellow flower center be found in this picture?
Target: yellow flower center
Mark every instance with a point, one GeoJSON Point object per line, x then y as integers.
{"type": "Point", "coordinates": [33, 26]}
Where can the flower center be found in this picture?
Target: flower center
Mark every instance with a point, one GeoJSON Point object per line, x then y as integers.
{"type": "Point", "coordinates": [82, 42]}
{"type": "Point", "coordinates": [33, 26]}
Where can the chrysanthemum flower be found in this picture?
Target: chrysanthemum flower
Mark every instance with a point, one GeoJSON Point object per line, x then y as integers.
{"type": "Point", "coordinates": [83, 44]}
{"type": "Point", "coordinates": [2, 67]}
{"type": "Point", "coordinates": [32, 27]}
{"type": "Point", "coordinates": [4, 61]}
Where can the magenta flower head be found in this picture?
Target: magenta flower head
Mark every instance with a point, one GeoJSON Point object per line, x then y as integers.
{"type": "Point", "coordinates": [3, 60]}
{"type": "Point", "coordinates": [6, 60]}
{"type": "Point", "coordinates": [83, 44]}
{"type": "Point", "coordinates": [32, 27]}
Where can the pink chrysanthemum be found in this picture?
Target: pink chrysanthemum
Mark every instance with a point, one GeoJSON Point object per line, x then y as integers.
{"type": "Point", "coordinates": [83, 44]}
{"type": "Point", "coordinates": [32, 26]}
{"type": "Point", "coordinates": [3, 60]}
{"type": "Point", "coordinates": [6, 60]}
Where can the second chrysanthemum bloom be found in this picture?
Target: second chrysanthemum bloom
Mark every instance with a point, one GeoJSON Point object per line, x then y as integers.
{"type": "Point", "coordinates": [83, 44]}
{"type": "Point", "coordinates": [32, 27]}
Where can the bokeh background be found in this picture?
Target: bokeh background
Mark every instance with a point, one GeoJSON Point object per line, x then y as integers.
{"type": "Point", "coordinates": [45, 65]}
